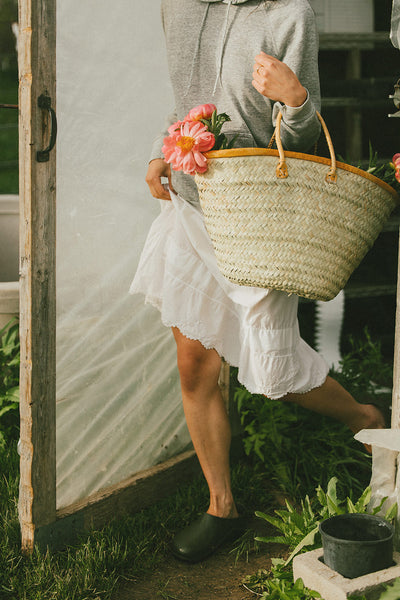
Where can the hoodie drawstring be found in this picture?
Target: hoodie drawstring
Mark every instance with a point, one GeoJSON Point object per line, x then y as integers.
{"type": "Point", "coordinates": [196, 52]}
{"type": "Point", "coordinates": [221, 51]}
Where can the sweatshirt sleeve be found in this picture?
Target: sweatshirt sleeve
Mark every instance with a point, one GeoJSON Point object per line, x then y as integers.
{"type": "Point", "coordinates": [159, 141]}
{"type": "Point", "coordinates": [171, 118]}
{"type": "Point", "coordinates": [298, 48]}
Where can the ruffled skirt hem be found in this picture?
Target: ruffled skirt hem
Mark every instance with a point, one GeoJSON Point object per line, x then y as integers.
{"type": "Point", "coordinates": [254, 330]}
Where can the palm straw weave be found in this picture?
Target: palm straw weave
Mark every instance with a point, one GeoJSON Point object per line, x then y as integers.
{"type": "Point", "coordinates": [290, 221]}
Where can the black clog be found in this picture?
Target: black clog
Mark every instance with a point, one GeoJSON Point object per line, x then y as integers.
{"type": "Point", "coordinates": [205, 536]}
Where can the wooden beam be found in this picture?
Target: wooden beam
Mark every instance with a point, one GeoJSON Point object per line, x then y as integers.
{"type": "Point", "coordinates": [396, 359]}
{"type": "Point", "coordinates": [37, 501]}
{"type": "Point", "coordinates": [355, 103]}
{"type": "Point", "coordinates": [127, 497]}
{"type": "Point", "coordinates": [346, 41]}
{"type": "Point", "coordinates": [353, 115]}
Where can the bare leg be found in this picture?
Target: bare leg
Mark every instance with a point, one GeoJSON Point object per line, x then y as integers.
{"type": "Point", "coordinates": [332, 400]}
{"type": "Point", "coordinates": [207, 419]}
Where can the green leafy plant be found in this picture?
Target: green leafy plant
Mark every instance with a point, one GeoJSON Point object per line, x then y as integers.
{"type": "Point", "coordinates": [299, 528]}
{"type": "Point", "coordinates": [318, 447]}
{"type": "Point", "coordinates": [9, 380]}
{"type": "Point", "coordinates": [278, 584]}
{"type": "Point", "coordinates": [392, 592]}
{"type": "Point", "coordinates": [385, 171]}
{"type": "Point", "coordinates": [364, 368]}
{"type": "Point", "coordinates": [297, 449]}
{"type": "Point", "coordinates": [215, 124]}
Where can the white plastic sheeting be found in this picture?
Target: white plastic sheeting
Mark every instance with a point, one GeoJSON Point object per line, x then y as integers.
{"type": "Point", "coordinates": [118, 397]}
{"type": "Point", "coordinates": [395, 24]}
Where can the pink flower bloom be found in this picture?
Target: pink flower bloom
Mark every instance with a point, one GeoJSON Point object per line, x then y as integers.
{"type": "Point", "coordinates": [396, 161]}
{"type": "Point", "coordinates": [203, 111]}
{"type": "Point", "coordinates": [184, 148]}
{"type": "Point", "coordinates": [175, 126]}
{"type": "Point", "coordinates": [397, 175]}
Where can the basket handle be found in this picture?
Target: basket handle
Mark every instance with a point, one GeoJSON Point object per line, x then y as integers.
{"type": "Point", "coordinates": [282, 170]}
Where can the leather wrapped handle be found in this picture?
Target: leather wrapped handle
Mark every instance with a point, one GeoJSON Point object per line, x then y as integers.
{"type": "Point", "coordinates": [282, 170]}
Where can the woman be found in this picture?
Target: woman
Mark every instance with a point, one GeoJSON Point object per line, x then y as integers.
{"type": "Point", "coordinates": [250, 58]}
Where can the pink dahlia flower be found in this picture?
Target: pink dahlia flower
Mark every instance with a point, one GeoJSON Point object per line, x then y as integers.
{"type": "Point", "coordinates": [175, 127]}
{"type": "Point", "coordinates": [203, 111]}
{"type": "Point", "coordinates": [396, 161]}
{"type": "Point", "coordinates": [184, 148]}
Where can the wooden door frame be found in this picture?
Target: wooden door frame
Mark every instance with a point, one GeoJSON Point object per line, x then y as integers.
{"type": "Point", "coordinates": [37, 184]}
{"type": "Point", "coordinates": [40, 520]}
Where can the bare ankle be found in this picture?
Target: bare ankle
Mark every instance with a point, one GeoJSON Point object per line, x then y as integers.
{"type": "Point", "coordinates": [370, 418]}
{"type": "Point", "coordinates": [222, 507]}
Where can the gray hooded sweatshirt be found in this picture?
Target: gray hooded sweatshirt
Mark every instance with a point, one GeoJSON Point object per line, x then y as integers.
{"type": "Point", "coordinates": [211, 46]}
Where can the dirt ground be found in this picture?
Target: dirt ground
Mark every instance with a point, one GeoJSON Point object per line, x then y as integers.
{"type": "Point", "coordinates": [219, 577]}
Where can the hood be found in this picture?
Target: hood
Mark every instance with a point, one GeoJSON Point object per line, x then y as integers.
{"type": "Point", "coordinates": [227, 1]}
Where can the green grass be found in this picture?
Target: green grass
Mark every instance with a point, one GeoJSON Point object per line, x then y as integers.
{"type": "Point", "coordinates": [298, 451]}
{"type": "Point", "coordinates": [8, 133]}
{"type": "Point", "coordinates": [127, 548]}
{"type": "Point", "coordinates": [9, 381]}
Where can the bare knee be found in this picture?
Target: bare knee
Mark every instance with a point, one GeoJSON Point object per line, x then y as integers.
{"type": "Point", "coordinates": [198, 367]}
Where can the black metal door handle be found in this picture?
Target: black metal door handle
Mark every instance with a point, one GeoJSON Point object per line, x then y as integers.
{"type": "Point", "coordinates": [45, 103]}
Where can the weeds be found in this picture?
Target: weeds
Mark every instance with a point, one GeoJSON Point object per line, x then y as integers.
{"type": "Point", "coordinates": [128, 548]}
{"type": "Point", "coordinates": [245, 545]}
{"type": "Point", "coordinates": [392, 592]}
{"type": "Point", "coordinates": [299, 528]}
{"type": "Point", "coordinates": [278, 584]}
{"type": "Point", "coordinates": [299, 450]}
{"type": "Point", "coordinates": [294, 448]}
{"type": "Point", "coordinates": [163, 592]}
{"type": "Point", "coordinates": [363, 369]}
{"type": "Point", "coordinates": [9, 381]}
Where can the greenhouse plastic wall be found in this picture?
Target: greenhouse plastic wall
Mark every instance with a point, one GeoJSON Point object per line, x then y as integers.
{"type": "Point", "coordinates": [395, 24]}
{"type": "Point", "coordinates": [118, 395]}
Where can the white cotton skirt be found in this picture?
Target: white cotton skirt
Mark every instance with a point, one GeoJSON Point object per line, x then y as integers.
{"type": "Point", "coordinates": [253, 329]}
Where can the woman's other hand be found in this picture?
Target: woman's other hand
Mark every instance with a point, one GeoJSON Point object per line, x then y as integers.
{"type": "Point", "coordinates": [275, 80]}
{"type": "Point", "coordinates": [159, 168]}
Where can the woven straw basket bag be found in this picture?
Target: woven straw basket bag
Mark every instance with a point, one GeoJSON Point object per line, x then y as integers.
{"type": "Point", "coordinates": [290, 221]}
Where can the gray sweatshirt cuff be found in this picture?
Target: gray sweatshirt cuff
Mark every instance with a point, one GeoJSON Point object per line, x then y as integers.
{"type": "Point", "coordinates": [293, 114]}
{"type": "Point", "coordinates": [300, 125]}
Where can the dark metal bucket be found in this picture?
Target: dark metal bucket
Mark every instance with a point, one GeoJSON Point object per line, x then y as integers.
{"type": "Point", "coordinates": [356, 544]}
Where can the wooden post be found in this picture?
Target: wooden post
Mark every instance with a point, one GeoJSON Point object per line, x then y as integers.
{"type": "Point", "coordinates": [396, 359]}
{"type": "Point", "coordinates": [37, 501]}
{"type": "Point", "coordinates": [353, 115]}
